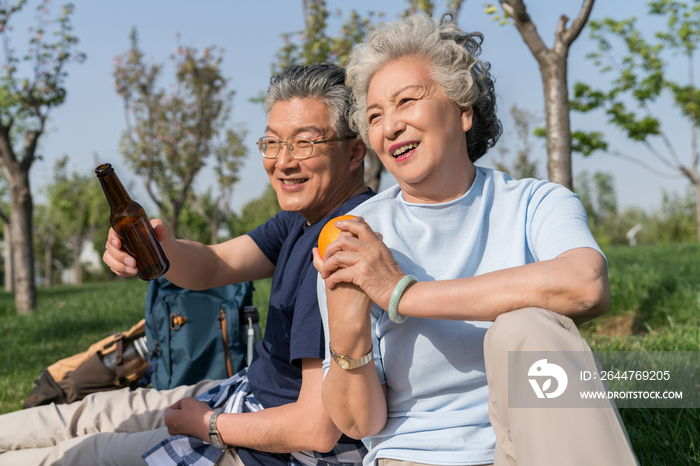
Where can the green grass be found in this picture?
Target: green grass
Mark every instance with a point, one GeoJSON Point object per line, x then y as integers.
{"type": "Point", "coordinates": [655, 307]}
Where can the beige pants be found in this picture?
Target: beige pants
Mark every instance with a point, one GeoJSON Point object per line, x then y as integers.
{"type": "Point", "coordinates": [541, 437]}
{"type": "Point", "coordinates": [106, 428]}
{"type": "Point", "coordinates": [390, 462]}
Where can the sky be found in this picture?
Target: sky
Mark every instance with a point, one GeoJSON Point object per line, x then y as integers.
{"type": "Point", "coordinates": [88, 126]}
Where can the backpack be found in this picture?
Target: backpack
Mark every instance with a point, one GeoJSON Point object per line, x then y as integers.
{"type": "Point", "coordinates": [72, 378]}
{"type": "Point", "coordinates": [197, 335]}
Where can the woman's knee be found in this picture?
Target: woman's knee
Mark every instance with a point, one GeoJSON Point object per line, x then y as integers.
{"type": "Point", "coordinates": [527, 329]}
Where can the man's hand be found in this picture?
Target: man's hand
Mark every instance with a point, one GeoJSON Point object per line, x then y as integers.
{"type": "Point", "coordinates": [118, 260]}
{"type": "Point", "coordinates": [189, 416]}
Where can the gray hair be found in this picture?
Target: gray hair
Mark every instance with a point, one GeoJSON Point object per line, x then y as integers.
{"type": "Point", "coordinates": [323, 81]}
{"type": "Point", "coordinates": [464, 79]}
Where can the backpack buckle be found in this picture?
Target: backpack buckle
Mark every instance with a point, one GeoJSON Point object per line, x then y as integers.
{"type": "Point", "coordinates": [177, 320]}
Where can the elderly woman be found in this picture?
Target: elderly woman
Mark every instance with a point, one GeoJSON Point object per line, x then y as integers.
{"type": "Point", "coordinates": [459, 247]}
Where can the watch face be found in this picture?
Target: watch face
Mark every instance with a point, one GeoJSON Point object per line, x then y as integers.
{"type": "Point", "coordinates": [342, 362]}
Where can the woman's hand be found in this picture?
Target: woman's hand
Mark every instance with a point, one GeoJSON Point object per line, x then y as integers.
{"type": "Point", "coordinates": [360, 258]}
{"type": "Point", "coordinates": [118, 260]}
{"type": "Point", "coordinates": [189, 416]}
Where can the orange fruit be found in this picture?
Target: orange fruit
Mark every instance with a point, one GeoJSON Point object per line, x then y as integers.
{"type": "Point", "coordinates": [330, 233]}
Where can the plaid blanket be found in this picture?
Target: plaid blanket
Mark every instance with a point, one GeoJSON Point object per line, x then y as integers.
{"type": "Point", "coordinates": [235, 396]}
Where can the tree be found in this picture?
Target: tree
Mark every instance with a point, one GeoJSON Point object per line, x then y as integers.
{"type": "Point", "coordinates": [214, 210]}
{"type": "Point", "coordinates": [170, 136]}
{"type": "Point", "coordinates": [553, 64]}
{"type": "Point", "coordinates": [255, 212]}
{"type": "Point", "coordinates": [45, 235]}
{"type": "Point", "coordinates": [78, 207]}
{"type": "Point", "coordinates": [6, 235]}
{"type": "Point", "coordinates": [523, 167]}
{"type": "Point", "coordinates": [193, 226]}
{"type": "Point", "coordinates": [50, 249]}
{"type": "Point", "coordinates": [27, 101]}
{"type": "Point", "coordinates": [641, 77]}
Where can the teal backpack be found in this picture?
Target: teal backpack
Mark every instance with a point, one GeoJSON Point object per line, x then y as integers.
{"type": "Point", "coordinates": [198, 335]}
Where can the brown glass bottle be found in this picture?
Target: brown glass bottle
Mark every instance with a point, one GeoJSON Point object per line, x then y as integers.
{"type": "Point", "coordinates": [131, 224]}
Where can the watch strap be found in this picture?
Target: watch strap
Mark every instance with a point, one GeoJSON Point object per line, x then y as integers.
{"type": "Point", "coordinates": [214, 435]}
{"type": "Point", "coordinates": [348, 363]}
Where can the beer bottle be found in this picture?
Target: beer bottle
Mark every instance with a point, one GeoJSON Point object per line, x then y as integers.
{"type": "Point", "coordinates": [132, 226]}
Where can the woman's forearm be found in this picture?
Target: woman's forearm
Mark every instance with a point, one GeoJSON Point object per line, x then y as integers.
{"type": "Point", "coordinates": [574, 284]}
{"type": "Point", "coordinates": [354, 398]}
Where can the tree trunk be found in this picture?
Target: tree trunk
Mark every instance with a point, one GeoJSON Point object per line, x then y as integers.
{"type": "Point", "coordinates": [696, 186]}
{"type": "Point", "coordinates": [22, 247]}
{"type": "Point", "coordinates": [48, 269]}
{"type": "Point", "coordinates": [373, 170]}
{"type": "Point", "coordinates": [9, 276]}
{"type": "Point", "coordinates": [77, 267]}
{"type": "Point", "coordinates": [553, 68]}
{"type": "Point", "coordinates": [556, 97]}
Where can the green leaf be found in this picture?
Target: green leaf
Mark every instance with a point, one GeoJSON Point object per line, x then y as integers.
{"type": "Point", "coordinates": [490, 9]}
{"type": "Point", "coordinates": [587, 143]}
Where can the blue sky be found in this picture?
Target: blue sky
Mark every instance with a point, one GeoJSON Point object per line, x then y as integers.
{"type": "Point", "coordinates": [92, 118]}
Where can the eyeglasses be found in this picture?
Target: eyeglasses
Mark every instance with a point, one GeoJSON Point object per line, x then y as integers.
{"type": "Point", "coordinates": [299, 146]}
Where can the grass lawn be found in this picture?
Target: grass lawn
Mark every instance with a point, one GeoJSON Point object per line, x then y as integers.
{"type": "Point", "coordinates": [655, 307]}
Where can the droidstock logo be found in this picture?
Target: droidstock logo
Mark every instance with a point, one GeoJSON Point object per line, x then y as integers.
{"type": "Point", "coordinates": [542, 369]}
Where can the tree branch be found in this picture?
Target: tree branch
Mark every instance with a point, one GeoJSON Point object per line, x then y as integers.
{"type": "Point", "coordinates": [629, 158]}
{"type": "Point", "coordinates": [658, 155]}
{"type": "Point", "coordinates": [7, 154]}
{"type": "Point", "coordinates": [5, 218]}
{"type": "Point", "coordinates": [527, 29]}
{"type": "Point", "coordinates": [198, 207]}
{"type": "Point", "coordinates": [30, 141]}
{"type": "Point", "coordinates": [669, 147]}
{"type": "Point", "coordinates": [159, 203]}
{"type": "Point", "coordinates": [569, 35]}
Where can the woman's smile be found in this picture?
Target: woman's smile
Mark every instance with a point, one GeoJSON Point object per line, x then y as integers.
{"type": "Point", "coordinates": [403, 150]}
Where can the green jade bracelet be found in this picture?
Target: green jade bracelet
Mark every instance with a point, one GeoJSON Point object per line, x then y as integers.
{"type": "Point", "coordinates": [396, 296]}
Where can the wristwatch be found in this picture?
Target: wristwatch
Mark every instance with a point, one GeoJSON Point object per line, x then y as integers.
{"type": "Point", "coordinates": [347, 363]}
{"type": "Point", "coordinates": [214, 435]}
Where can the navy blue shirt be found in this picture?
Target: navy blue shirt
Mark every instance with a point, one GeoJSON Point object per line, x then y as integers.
{"type": "Point", "coordinates": [294, 329]}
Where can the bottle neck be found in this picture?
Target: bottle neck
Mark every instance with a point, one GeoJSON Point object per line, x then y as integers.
{"type": "Point", "coordinates": [114, 190]}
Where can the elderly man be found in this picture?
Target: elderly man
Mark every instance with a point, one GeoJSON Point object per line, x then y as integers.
{"type": "Point", "coordinates": [273, 412]}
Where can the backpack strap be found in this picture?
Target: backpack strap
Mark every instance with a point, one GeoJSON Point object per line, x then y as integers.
{"type": "Point", "coordinates": [119, 359]}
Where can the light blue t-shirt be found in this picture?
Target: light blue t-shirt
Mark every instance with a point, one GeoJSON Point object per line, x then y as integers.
{"type": "Point", "coordinates": [434, 370]}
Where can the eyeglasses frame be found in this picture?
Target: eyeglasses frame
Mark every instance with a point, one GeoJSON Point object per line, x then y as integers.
{"type": "Point", "coordinates": [291, 151]}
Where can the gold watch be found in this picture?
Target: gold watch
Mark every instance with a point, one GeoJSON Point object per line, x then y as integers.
{"type": "Point", "coordinates": [347, 363]}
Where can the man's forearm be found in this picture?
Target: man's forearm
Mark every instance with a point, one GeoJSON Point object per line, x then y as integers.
{"type": "Point", "coordinates": [197, 266]}
{"type": "Point", "coordinates": [302, 425]}
{"type": "Point", "coordinates": [282, 429]}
